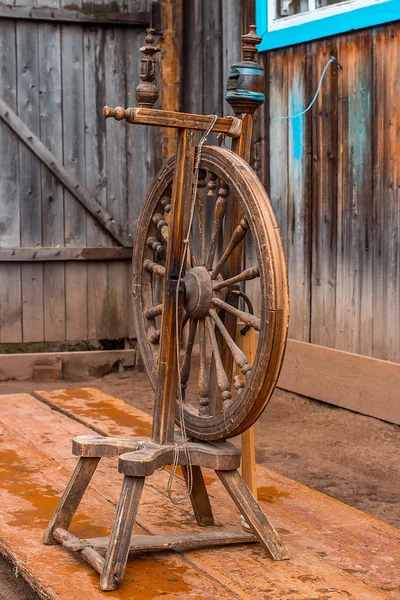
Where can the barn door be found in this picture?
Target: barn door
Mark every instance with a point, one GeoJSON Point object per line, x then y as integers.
{"type": "Point", "coordinates": [70, 182]}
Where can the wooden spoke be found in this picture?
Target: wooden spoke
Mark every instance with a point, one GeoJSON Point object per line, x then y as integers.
{"type": "Point", "coordinates": [219, 214]}
{"type": "Point", "coordinates": [238, 383]}
{"type": "Point", "coordinates": [155, 245]}
{"type": "Point", "coordinates": [236, 238]}
{"type": "Point", "coordinates": [239, 356]}
{"type": "Point", "coordinates": [153, 312]}
{"type": "Point", "coordinates": [153, 267]}
{"type": "Point", "coordinates": [185, 319]}
{"type": "Point", "coordinates": [246, 275]}
{"type": "Point", "coordinates": [185, 369]}
{"type": "Point", "coordinates": [212, 185]}
{"type": "Point", "coordinates": [162, 225]}
{"type": "Point", "coordinates": [166, 204]}
{"type": "Point", "coordinates": [223, 382]}
{"type": "Point", "coordinates": [192, 257]}
{"type": "Point", "coordinates": [203, 376]}
{"type": "Point", "coordinates": [247, 318]}
{"type": "Point", "coordinates": [154, 338]}
{"type": "Point", "coordinates": [200, 214]}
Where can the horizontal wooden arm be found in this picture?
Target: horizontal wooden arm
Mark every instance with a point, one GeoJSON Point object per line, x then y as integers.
{"type": "Point", "coordinates": [231, 126]}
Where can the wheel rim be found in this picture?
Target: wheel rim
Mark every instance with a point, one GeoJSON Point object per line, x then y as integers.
{"type": "Point", "coordinates": [240, 405]}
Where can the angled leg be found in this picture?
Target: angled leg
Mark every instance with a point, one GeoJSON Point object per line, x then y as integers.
{"type": "Point", "coordinates": [251, 510]}
{"type": "Point", "coordinates": [71, 497]}
{"type": "Point", "coordinates": [118, 548]}
{"type": "Point", "coordinates": [199, 497]}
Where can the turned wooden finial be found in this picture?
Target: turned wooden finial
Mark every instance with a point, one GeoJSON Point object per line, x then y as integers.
{"type": "Point", "coordinates": [245, 88]}
{"type": "Point", "coordinates": [249, 41]}
{"type": "Point", "coordinates": [146, 92]}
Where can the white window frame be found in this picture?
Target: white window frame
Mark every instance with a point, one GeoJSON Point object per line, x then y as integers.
{"type": "Point", "coordinates": [314, 13]}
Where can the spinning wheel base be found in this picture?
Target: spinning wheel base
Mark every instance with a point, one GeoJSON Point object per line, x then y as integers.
{"type": "Point", "coordinates": [138, 459]}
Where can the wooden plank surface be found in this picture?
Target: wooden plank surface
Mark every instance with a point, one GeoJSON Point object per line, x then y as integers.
{"type": "Point", "coordinates": [336, 550]}
{"type": "Point", "coordinates": [366, 385]}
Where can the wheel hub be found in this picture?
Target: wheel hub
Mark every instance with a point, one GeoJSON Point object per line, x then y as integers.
{"type": "Point", "coordinates": [198, 292]}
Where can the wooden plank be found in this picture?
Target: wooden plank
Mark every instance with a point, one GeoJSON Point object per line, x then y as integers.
{"type": "Point", "coordinates": [298, 230]}
{"type": "Point", "coordinates": [117, 197]}
{"type": "Point", "coordinates": [366, 385]}
{"type": "Point", "coordinates": [73, 102]}
{"type": "Point", "coordinates": [324, 200]}
{"type": "Point", "coordinates": [74, 187]}
{"type": "Point", "coordinates": [347, 562]}
{"type": "Point", "coordinates": [94, 41]}
{"type": "Point", "coordinates": [212, 83]}
{"type": "Point", "coordinates": [230, 45]}
{"type": "Point", "coordinates": [192, 65]}
{"type": "Point", "coordinates": [56, 15]}
{"type": "Point", "coordinates": [29, 180]}
{"type": "Point", "coordinates": [170, 67]}
{"type": "Point", "coordinates": [51, 135]}
{"type": "Point", "coordinates": [386, 182]}
{"type": "Point", "coordinates": [52, 253]}
{"type": "Point", "coordinates": [20, 366]}
{"type": "Point", "coordinates": [10, 275]}
{"type": "Point", "coordinates": [143, 147]}
{"type": "Point", "coordinates": [29, 493]}
{"type": "Point", "coordinates": [354, 284]}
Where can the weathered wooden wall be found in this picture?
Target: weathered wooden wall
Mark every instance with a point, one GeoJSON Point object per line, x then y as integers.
{"type": "Point", "coordinates": [335, 184]}
{"type": "Point", "coordinates": [57, 79]}
{"type": "Point", "coordinates": [332, 174]}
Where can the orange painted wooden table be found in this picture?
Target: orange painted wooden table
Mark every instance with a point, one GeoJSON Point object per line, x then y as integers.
{"type": "Point", "coordinates": [337, 552]}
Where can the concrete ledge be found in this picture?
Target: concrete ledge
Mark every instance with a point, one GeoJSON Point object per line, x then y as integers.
{"type": "Point", "coordinates": [68, 365]}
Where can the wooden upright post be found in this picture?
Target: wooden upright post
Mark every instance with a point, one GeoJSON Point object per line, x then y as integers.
{"type": "Point", "coordinates": [166, 392]}
{"type": "Point", "coordinates": [248, 344]}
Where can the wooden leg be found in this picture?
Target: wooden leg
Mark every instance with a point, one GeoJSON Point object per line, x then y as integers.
{"type": "Point", "coordinates": [118, 549]}
{"type": "Point", "coordinates": [71, 497]}
{"type": "Point", "coordinates": [249, 460]}
{"type": "Point", "coordinates": [250, 509]}
{"type": "Point", "coordinates": [199, 497]}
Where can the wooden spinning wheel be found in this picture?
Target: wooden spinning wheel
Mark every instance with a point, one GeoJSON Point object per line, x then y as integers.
{"type": "Point", "coordinates": [189, 285]}
{"type": "Point", "coordinates": [209, 297]}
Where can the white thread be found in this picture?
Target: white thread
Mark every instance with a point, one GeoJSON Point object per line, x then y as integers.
{"type": "Point", "coordinates": [303, 112]}
{"type": "Point", "coordinates": [184, 443]}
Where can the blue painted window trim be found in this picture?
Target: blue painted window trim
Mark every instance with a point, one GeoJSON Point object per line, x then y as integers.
{"type": "Point", "coordinates": [358, 18]}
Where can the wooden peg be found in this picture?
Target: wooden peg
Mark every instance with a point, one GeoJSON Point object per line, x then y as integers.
{"type": "Point", "coordinates": [146, 92]}
{"type": "Point", "coordinates": [250, 41]}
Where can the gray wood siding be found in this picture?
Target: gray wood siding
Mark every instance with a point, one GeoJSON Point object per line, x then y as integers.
{"type": "Point", "coordinates": [57, 78]}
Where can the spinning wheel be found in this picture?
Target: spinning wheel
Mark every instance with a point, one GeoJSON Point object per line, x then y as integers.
{"type": "Point", "coordinates": [210, 300]}
{"type": "Point", "coordinates": [189, 282]}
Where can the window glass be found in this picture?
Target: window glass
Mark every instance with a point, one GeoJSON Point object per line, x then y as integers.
{"type": "Point", "coordinates": [321, 3]}
{"type": "Point", "coordinates": [285, 8]}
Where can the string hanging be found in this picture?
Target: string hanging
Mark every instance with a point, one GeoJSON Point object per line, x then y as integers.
{"type": "Point", "coordinates": [184, 443]}
{"type": "Point", "coordinates": [331, 60]}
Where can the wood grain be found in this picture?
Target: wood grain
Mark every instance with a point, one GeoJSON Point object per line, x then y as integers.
{"type": "Point", "coordinates": [366, 385]}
